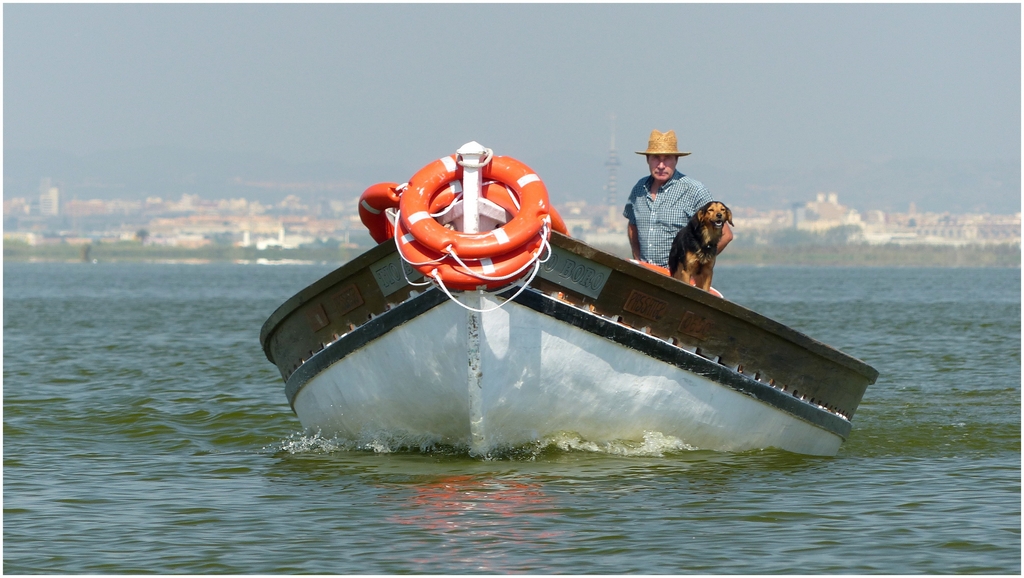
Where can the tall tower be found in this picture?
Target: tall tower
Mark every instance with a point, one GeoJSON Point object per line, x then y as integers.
{"type": "Point", "coordinates": [611, 189]}
{"type": "Point", "coordinates": [49, 199]}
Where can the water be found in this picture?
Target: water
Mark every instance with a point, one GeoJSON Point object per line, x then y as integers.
{"type": "Point", "coordinates": [144, 431]}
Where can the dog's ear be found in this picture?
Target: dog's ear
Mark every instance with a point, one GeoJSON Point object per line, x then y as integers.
{"type": "Point", "coordinates": [728, 215]}
{"type": "Point", "coordinates": [702, 213]}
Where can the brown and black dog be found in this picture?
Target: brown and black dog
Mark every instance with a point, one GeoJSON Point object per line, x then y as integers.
{"type": "Point", "coordinates": [695, 247]}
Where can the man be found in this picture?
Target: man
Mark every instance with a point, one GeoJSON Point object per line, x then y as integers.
{"type": "Point", "coordinates": [662, 204]}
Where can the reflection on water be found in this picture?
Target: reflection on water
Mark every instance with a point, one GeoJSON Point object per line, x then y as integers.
{"type": "Point", "coordinates": [465, 510]}
{"type": "Point", "coordinates": [464, 502]}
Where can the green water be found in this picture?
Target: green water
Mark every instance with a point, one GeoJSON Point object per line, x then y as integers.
{"type": "Point", "coordinates": [144, 432]}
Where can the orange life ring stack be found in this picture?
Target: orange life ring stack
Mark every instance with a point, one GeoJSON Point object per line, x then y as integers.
{"type": "Point", "coordinates": [466, 261]}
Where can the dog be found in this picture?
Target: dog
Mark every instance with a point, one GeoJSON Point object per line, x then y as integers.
{"type": "Point", "coordinates": [695, 247]}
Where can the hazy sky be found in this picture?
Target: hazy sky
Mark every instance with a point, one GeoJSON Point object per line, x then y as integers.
{"type": "Point", "coordinates": [752, 86]}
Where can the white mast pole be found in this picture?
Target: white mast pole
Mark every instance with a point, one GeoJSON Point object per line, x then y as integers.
{"type": "Point", "coordinates": [472, 158]}
{"type": "Point", "coordinates": [470, 155]}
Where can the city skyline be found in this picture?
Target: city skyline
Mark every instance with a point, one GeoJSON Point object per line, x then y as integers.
{"type": "Point", "coordinates": [192, 221]}
{"type": "Point", "coordinates": [959, 187]}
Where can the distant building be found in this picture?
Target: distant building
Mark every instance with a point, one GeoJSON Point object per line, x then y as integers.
{"type": "Point", "coordinates": [49, 199]}
{"type": "Point", "coordinates": [825, 213]}
{"type": "Point", "coordinates": [17, 206]}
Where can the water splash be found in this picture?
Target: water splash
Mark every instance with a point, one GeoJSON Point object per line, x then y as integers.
{"type": "Point", "coordinates": [654, 444]}
{"type": "Point", "coordinates": [299, 443]}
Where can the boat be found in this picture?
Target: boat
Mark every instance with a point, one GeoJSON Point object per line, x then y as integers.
{"type": "Point", "coordinates": [559, 339]}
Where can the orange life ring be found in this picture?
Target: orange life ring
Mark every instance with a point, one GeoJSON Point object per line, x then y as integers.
{"type": "Point", "coordinates": [487, 272]}
{"type": "Point", "coordinates": [557, 224]}
{"type": "Point", "coordinates": [653, 267]}
{"type": "Point", "coordinates": [492, 273]}
{"type": "Point", "coordinates": [372, 204]}
{"type": "Point", "coordinates": [500, 195]}
{"type": "Point", "coordinates": [524, 226]}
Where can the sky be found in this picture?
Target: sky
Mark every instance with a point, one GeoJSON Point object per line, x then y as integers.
{"type": "Point", "coordinates": [754, 87]}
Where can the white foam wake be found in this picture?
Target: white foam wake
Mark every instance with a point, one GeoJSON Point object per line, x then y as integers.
{"type": "Point", "coordinates": [654, 444]}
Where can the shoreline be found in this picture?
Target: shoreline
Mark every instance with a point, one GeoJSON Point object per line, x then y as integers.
{"type": "Point", "coordinates": [971, 256]}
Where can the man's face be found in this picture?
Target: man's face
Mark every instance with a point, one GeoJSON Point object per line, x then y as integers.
{"type": "Point", "coordinates": [662, 166]}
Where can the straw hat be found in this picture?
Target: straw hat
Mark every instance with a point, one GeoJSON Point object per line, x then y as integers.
{"type": "Point", "coordinates": [662, 143]}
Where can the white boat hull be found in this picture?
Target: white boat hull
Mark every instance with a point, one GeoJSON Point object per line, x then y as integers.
{"type": "Point", "coordinates": [540, 377]}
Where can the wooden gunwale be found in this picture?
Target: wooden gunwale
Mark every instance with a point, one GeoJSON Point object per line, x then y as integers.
{"type": "Point", "coordinates": [317, 288]}
{"type": "Point", "coordinates": [723, 305]}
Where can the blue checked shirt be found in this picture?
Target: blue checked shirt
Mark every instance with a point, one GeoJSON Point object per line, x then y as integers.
{"type": "Point", "coordinates": [658, 221]}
